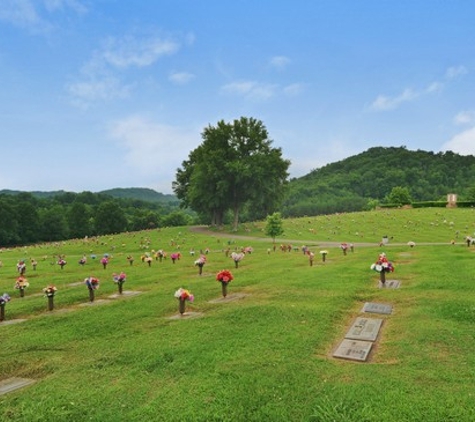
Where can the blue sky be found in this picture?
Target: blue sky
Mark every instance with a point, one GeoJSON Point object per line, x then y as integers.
{"type": "Point", "coordinates": [98, 94]}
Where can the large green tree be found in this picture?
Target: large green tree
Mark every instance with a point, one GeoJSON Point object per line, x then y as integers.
{"type": "Point", "coordinates": [234, 166]}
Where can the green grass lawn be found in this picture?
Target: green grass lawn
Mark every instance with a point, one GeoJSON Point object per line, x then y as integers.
{"type": "Point", "coordinates": [264, 357]}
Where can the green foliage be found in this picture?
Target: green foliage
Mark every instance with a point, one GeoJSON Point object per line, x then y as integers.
{"type": "Point", "coordinates": [347, 185]}
{"type": "Point", "coordinates": [234, 167]}
{"type": "Point", "coordinates": [399, 196]}
{"type": "Point", "coordinates": [274, 225]}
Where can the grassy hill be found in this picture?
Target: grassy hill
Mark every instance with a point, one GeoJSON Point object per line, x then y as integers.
{"type": "Point", "coordinates": [266, 356]}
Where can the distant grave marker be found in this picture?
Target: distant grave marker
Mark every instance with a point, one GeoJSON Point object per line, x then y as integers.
{"type": "Point", "coordinates": [125, 293]}
{"type": "Point", "coordinates": [377, 308]}
{"type": "Point", "coordinates": [229, 298]}
{"type": "Point", "coordinates": [353, 350]}
{"type": "Point", "coordinates": [12, 384]}
{"type": "Point", "coordinates": [391, 284]}
{"type": "Point", "coordinates": [365, 329]}
{"type": "Point", "coordinates": [187, 315]}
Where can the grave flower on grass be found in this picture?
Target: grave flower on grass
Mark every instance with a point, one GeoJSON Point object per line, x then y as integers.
{"type": "Point", "coordinates": [382, 266]}
{"type": "Point", "coordinates": [237, 257]}
{"type": "Point", "coordinates": [119, 280]}
{"type": "Point", "coordinates": [175, 256]}
{"type": "Point", "coordinates": [92, 284]}
{"type": "Point", "coordinates": [3, 300]}
{"type": "Point", "coordinates": [344, 247]}
{"type": "Point", "coordinates": [324, 255]}
{"type": "Point", "coordinates": [104, 261]}
{"type": "Point", "coordinates": [49, 292]}
{"type": "Point", "coordinates": [183, 295]}
{"type": "Point", "coordinates": [411, 244]}
{"type": "Point", "coordinates": [224, 277]}
{"type": "Point", "coordinates": [311, 257]}
{"type": "Point", "coordinates": [21, 284]}
{"type": "Point", "coordinates": [200, 262]}
{"type": "Point", "coordinates": [62, 262]}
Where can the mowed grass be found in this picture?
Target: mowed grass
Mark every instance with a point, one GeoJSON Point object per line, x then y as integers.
{"type": "Point", "coordinates": [264, 357]}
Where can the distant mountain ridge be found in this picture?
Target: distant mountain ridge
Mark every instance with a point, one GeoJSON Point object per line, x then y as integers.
{"type": "Point", "coordinates": [142, 194]}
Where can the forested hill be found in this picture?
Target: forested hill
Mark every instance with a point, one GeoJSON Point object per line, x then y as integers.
{"type": "Point", "coordinates": [141, 194]}
{"type": "Point", "coordinates": [349, 184]}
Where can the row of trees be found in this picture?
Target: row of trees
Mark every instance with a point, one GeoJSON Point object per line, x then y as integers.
{"type": "Point", "coordinates": [26, 219]}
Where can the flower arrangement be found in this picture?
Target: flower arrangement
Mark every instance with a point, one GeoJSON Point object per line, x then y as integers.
{"type": "Point", "coordinates": [92, 283]}
{"type": "Point", "coordinates": [175, 256]}
{"type": "Point", "coordinates": [311, 257]}
{"type": "Point", "coordinates": [200, 262]}
{"type": "Point", "coordinates": [104, 261]}
{"type": "Point", "coordinates": [119, 280]}
{"type": "Point", "coordinates": [382, 266]}
{"type": "Point", "coordinates": [4, 299]}
{"type": "Point", "coordinates": [183, 294]}
{"type": "Point", "coordinates": [50, 291]}
{"type": "Point", "coordinates": [237, 257]}
{"type": "Point", "coordinates": [344, 247]}
{"type": "Point", "coordinates": [224, 276]}
{"type": "Point", "coordinates": [62, 262]}
{"type": "Point", "coordinates": [21, 283]}
{"type": "Point", "coordinates": [324, 254]}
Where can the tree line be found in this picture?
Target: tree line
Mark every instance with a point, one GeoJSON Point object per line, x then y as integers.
{"type": "Point", "coordinates": [27, 219]}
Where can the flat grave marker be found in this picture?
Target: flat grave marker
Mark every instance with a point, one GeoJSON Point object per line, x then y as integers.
{"type": "Point", "coordinates": [391, 284]}
{"type": "Point", "coordinates": [377, 308]}
{"type": "Point", "coordinates": [353, 350]}
{"type": "Point", "coordinates": [365, 329]}
{"type": "Point", "coordinates": [229, 298]}
{"type": "Point", "coordinates": [12, 384]}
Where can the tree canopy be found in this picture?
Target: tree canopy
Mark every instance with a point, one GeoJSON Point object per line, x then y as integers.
{"type": "Point", "coordinates": [235, 166]}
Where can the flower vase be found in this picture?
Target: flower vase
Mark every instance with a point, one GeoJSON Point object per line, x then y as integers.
{"type": "Point", "coordinates": [181, 306]}
{"type": "Point", "coordinates": [2, 312]}
{"type": "Point", "coordinates": [91, 295]}
{"type": "Point", "coordinates": [120, 284]}
{"type": "Point", "coordinates": [224, 288]}
{"type": "Point", "coordinates": [324, 257]}
{"type": "Point", "coordinates": [22, 292]}
{"type": "Point", "coordinates": [236, 264]}
{"type": "Point", "coordinates": [382, 276]}
{"type": "Point", "coordinates": [200, 269]}
{"type": "Point", "coordinates": [50, 303]}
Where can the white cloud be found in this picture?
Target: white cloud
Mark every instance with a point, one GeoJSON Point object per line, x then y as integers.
{"type": "Point", "coordinates": [250, 89]}
{"type": "Point", "coordinates": [465, 117]}
{"type": "Point", "coordinates": [153, 149]}
{"type": "Point", "coordinates": [383, 102]}
{"type": "Point", "coordinates": [102, 76]}
{"type": "Point", "coordinates": [462, 143]}
{"type": "Point", "coordinates": [20, 13]}
{"type": "Point", "coordinates": [434, 87]}
{"type": "Point", "coordinates": [31, 14]}
{"type": "Point", "coordinates": [293, 89]}
{"type": "Point", "coordinates": [131, 51]}
{"type": "Point", "coordinates": [84, 93]}
{"type": "Point", "coordinates": [279, 62]}
{"type": "Point", "coordinates": [455, 71]}
{"type": "Point", "coordinates": [181, 78]}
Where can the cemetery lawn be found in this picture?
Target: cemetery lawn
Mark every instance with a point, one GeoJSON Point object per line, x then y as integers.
{"type": "Point", "coordinates": [266, 356]}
